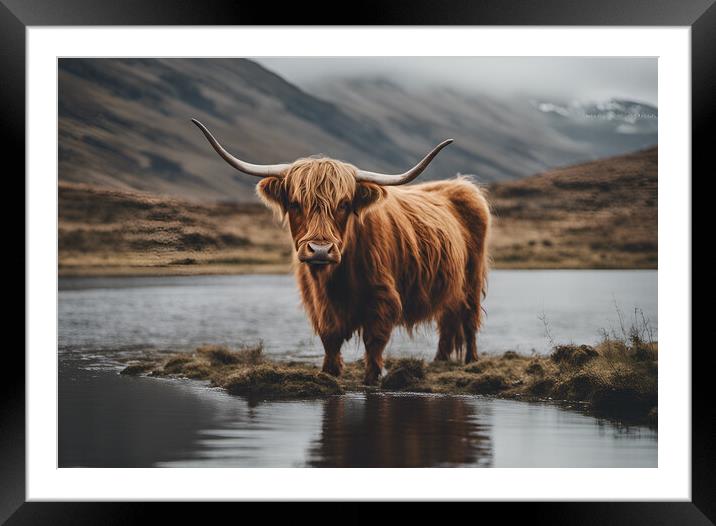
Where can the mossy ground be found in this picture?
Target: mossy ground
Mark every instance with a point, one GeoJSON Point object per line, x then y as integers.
{"type": "Point", "coordinates": [614, 379]}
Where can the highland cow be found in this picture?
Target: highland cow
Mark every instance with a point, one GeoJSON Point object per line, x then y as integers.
{"type": "Point", "coordinates": [371, 255]}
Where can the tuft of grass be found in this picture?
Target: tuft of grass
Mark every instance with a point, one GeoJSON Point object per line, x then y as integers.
{"type": "Point", "coordinates": [405, 374]}
{"type": "Point", "coordinates": [579, 386]}
{"type": "Point", "coordinates": [275, 381]}
{"type": "Point", "coordinates": [414, 366]}
{"type": "Point", "coordinates": [488, 383]}
{"type": "Point", "coordinates": [175, 364]}
{"type": "Point", "coordinates": [476, 367]}
{"type": "Point", "coordinates": [535, 368]}
{"type": "Point", "coordinates": [222, 355]}
{"type": "Point", "coordinates": [541, 387]}
{"type": "Point", "coordinates": [135, 369]}
{"type": "Point", "coordinates": [573, 354]}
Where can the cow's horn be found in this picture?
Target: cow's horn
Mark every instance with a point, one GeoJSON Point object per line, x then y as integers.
{"type": "Point", "coordinates": [259, 170]}
{"type": "Point", "coordinates": [395, 180]}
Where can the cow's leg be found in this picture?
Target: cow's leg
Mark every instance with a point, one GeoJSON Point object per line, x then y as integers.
{"type": "Point", "coordinates": [472, 314]}
{"type": "Point", "coordinates": [449, 327]}
{"type": "Point", "coordinates": [376, 331]}
{"type": "Point", "coordinates": [469, 329]}
{"type": "Point", "coordinates": [375, 339]}
{"type": "Point", "coordinates": [332, 360]}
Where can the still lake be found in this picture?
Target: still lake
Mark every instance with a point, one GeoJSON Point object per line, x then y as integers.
{"type": "Point", "coordinates": [112, 421]}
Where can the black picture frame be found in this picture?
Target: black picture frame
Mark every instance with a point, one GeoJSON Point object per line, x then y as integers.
{"type": "Point", "coordinates": [17, 15]}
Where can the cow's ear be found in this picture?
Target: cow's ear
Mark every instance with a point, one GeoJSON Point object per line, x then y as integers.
{"type": "Point", "coordinates": [272, 192]}
{"type": "Point", "coordinates": [367, 194]}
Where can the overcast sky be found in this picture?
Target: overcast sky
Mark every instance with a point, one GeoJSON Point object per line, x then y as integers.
{"type": "Point", "coordinates": [563, 78]}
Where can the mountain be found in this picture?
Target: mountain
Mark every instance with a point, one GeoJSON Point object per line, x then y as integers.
{"type": "Point", "coordinates": [612, 126]}
{"type": "Point", "coordinates": [124, 124]}
{"type": "Point", "coordinates": [496, 139]}
{"type": "Point", "coordinates": [601, 214]}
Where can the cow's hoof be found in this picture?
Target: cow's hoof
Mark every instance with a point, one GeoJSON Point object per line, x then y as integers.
{"type": "Point", "coordinates": [334, 369]}
{"type": "Point", "coordinates": [470, 359]}
{"type": "Point", "coordinates": [371, 378]}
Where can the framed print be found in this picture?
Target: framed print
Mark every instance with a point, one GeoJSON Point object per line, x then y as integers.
{"type": "Point", "coordinates": [432, 255]}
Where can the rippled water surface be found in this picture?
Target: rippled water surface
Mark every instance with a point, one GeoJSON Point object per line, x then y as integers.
{"type": "Point", "coordinates": [183, 312]}
{"type": "Point", "coordinates": [110, 420]}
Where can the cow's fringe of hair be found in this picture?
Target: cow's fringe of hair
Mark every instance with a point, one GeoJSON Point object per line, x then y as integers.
{"type": "Point", "coordinates": [320, 183]}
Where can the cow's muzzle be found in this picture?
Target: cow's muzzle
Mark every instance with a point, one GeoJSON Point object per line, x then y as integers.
{"type": "Point", "coordinates": [319, 253]}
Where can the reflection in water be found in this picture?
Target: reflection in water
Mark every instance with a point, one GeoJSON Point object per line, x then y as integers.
{"type": "Point", "coordinates": [400, 431]}
{"type": "Point", "coordinates": [107, 420]}
{"type": "Point", "coordinates": [540, 435]}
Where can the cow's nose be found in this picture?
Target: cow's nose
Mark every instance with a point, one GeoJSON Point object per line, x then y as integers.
{"type": "Point", "coordinates": [320, 250]}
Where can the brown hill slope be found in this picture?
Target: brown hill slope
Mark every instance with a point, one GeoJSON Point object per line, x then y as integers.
{"type": "Point", "coordinates": [601, 214]}
{"type": "Point", "coordinates": [107, 232]}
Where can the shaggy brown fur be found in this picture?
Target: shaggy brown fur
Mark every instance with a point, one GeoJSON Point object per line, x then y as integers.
{"type": "Point", "coordinates": [399, 256]}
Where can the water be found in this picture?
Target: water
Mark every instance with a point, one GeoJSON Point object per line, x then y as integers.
{"type": "Point", "coordinates": [181, 313]}
{"type": "Point", "coordinates": [109, 420]}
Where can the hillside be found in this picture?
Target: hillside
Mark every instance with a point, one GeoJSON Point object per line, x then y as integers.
{"type": "Point", "coordinates": [601, 214]}
{"type": "Point", "coordinates": [125, 124]}
{"type": "Point", "coordinates": [597, 214]}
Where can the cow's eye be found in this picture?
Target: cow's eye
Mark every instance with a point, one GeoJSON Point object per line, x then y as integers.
{"type": "Point", "coordinates": [294, 205]}
{"type": "Point", "coordinates": [345, 206]}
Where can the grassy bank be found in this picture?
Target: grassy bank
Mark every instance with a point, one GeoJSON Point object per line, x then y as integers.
{"type": "Point", "coordinates": [615, 379]}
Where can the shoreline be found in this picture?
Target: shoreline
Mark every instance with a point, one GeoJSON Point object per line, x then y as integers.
{"type": "Point", "coordinates": [613, 380]}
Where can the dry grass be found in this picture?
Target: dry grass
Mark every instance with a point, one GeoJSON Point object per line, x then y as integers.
{"type": "Point", "coordinates": [243, 372]}
{"type": "Point", "coordinates": [109, 232]}
{"type": "Point", "coordinates": [601, 214]}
